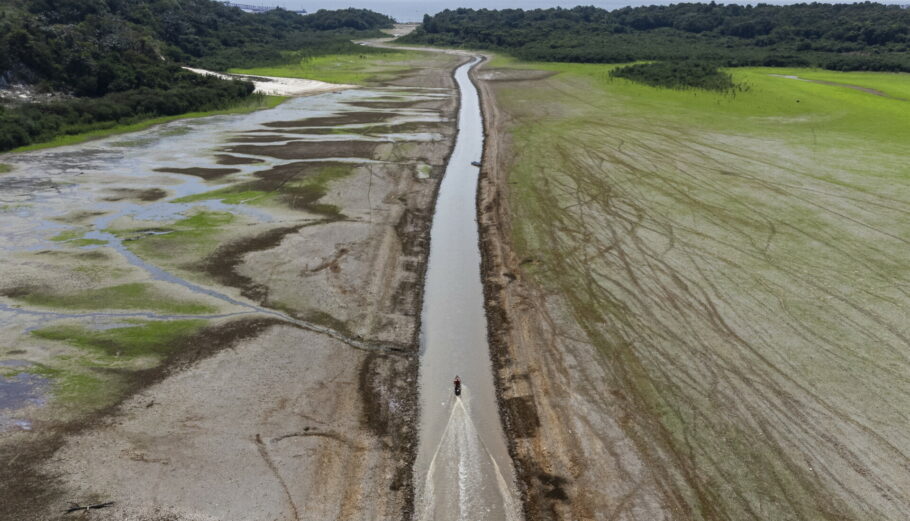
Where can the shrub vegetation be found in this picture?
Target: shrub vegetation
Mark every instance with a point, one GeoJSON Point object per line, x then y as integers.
{"type": "Point", "coordinates": [862, 36]}
{"type": "Point", "coordinates": [111, 62]}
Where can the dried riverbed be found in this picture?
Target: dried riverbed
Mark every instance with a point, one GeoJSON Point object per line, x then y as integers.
{"type": "Point", "coordinates": [216, 318]}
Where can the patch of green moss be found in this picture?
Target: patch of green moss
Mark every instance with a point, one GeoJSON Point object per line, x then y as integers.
{"type": "Point", "coordinates": [150, 338]}
{"type": "Point", "coordinates": [195, 235]}
{"type": "Point", "coordinates": [87, 242]}
{"type": "Point", "coordinates": [80, 387]}
{"type": "Point", "coordinates": [204, 221]}
{"type": "Point", "coordinates": [67, 235]}
{"type": "Point", "coordinates": [74, 238]}
{"type": "Point", "coordinates": [125, 296]}
{"type": "Point", "coordinates": [5, 168]}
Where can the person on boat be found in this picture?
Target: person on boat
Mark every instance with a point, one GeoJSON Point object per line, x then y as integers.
{"type": "Point", "coordinates": [457, 385]}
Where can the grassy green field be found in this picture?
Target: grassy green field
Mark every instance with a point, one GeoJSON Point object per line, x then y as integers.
{"type": "Point", "coordinates": [340, 68]}
{"type": "Point", "coordinates": [254, 103]}
{"type": "Point", "coordinates": [739, 262]}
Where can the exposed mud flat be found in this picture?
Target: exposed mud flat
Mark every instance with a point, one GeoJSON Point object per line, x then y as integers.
{"type": "Point", "coordinates": [693, 336]}
{"type": "Point", "coordinates": [303, 261]}
{"type": "Point", "coordinates": [209, 174]}
{"type": "Point", "coordinates": [349, 118]}
{"type": "Point", "coordinates": [227, 159]}
{"type": "Point", "coordinates": [309, 149]}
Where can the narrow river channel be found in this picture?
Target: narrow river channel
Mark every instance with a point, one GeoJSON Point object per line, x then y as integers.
{"type": "Point", "coordinates": [463, 470]}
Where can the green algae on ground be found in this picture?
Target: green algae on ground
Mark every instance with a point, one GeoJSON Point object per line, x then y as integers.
{"type": "Point", "coordinates": [87, 242]}
{"type": "Point", "coordinates": [196, 234]}
{"type": "Point", "coordinates": [5, 168]}
{"type": "Point", "coordinates": [73, 238]}
{"type": "Point", "coordinates": [67, 235]}
{"type": "Point", "coordinates": [147, 338]}
{"type": "Point", "coordinates": [125, 296]}
{"type": "Point", "coordinates": [79, 386]}
{"type": "Point", "coordinates": [98, 377]}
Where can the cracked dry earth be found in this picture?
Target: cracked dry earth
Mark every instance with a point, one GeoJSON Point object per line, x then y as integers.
{"type": "Point", "coordinates": [262, 415]}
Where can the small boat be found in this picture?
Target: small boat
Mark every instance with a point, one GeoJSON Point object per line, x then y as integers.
{"type": "Point", "coordinates": [476, 163]}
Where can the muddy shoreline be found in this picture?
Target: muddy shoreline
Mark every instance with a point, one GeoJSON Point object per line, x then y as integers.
{"type": "Point", "coordinates": [355, 411]}
{"type": "Point", "coordinates": [540, 490]}
{"type": "Point", "coordinates": [492, 237]}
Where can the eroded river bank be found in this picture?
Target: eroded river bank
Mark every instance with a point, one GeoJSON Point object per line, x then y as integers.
{"type": "Point", "coordinates": [217, 318]}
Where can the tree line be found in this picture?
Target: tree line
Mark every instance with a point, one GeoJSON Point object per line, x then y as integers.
{"type": "Point", "coordinates": [863, 36]}
{"type": "Point", "coordinates": [125, 56]}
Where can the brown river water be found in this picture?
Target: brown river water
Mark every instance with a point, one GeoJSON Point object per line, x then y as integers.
{"type": "Point", "coordinates": [463, 469]}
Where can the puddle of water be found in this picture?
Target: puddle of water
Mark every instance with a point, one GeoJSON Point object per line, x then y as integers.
{"type": "Point", "coordinates": [18, 392]}
{"type": "Point", "coordinates": [22, 390]}
{"type": "Point", "coordinates": [14, 363]}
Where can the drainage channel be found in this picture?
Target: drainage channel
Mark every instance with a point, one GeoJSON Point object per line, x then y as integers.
{"type": "Point", "coordinates": [463, 470]}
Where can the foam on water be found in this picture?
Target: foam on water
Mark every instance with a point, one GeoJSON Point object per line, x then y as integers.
{"type": "Point", "coordinates": [457, 484]}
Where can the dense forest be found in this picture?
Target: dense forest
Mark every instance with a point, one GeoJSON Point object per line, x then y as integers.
{"type": "Point", "coordinates": [116, 61]}
{"type": "Point", "coordinates": [864, 36]}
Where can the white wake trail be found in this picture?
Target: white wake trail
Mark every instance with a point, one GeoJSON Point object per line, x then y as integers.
{"type": "Point", "coordinates": [453, 488]}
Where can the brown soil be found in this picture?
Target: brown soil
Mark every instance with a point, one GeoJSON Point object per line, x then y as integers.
{"type": "Point", "coordinates": [209, 174]}
{"type": "Point", "coordinates": [379, 127]}
{"type": "Point", "coordinates": [258, 139]}
{"type": "Point", "coordinates": [148, 194]}
{"type": "Point", "coordinates": [383, 104]}
{"type": "Point", "coordinates": [309, 149]}
{"type": "Point", "coordinates": [79, 216]}
{"type": "Point", "coordinates": [348, 118]}
{"type": "Point", "coordinates": [226, 159]}
{"type": "Point", "coordinates": [220, 265]}
{"type": "Point", "coordinates": [516, 344]}
{"type": "Point", "coordinates": [281, 180]}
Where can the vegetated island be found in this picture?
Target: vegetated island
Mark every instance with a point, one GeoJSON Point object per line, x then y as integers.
{"type": "Point", "coordinates": [71, 67]}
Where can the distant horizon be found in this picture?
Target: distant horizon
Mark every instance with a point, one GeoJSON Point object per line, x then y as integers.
{"type": "Point", "coordinates": [413, 10]}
